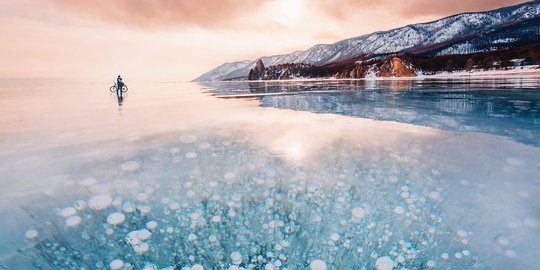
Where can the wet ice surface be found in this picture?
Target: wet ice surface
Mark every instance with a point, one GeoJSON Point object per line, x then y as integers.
{"type": "Point", "coordinates": [505, 106]}
{"type": "Point", "coordinates": [267, 189]}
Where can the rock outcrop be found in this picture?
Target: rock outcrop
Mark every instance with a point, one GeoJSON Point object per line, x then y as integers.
{"type": "Point", "coordinates": [257, 72]}
{"type": "Point", "coordinates": [395, 67]}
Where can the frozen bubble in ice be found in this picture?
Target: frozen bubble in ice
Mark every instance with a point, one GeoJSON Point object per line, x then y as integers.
{"type": "Point", "coordinates": [88, 181]}
{"type": "Point", "coordinates": [188, 138]}
{"type": "Point", "coordinates": [191, 155]}
{"type": "Point", "coordinates": [510, 254]}
{"type": "Point", "coordinates": [174, 150]}
{"type": "Point", "coordinates": [399, 210]}
{"type": "Point", "coordinates": [462, 233]}
{"type": "Point", "coordinates": [130, 166]}
{"type": "Point", "coordinates": [116, 264]}
{"type": "Point", "coordinates": [100, 202]}
{"type": "Point", "coordinates": [532, 223]}
{"type": "Point", "coordinates": [236, 257]}
{"type": "Point", "coordinates": [503, 241]}
{"type": "Point", "coordinates": [212, 238]}
{"type": "Point", "coordinates": [204, 145]}
{"type": "Point", "coordinates": [197, 267]}
{"type": "Point", "coordinates": [216, 219]}
{"type": "Point", "coordinates": [73, 221]}
{"type": "Point", "coordinates": [515, 161]}
{"type": "Point", "coordinates": [141, 248]}
{"type": "Point", "coordinates": [234, 267]}
{"type": "Point", "coordinates": [317, 265]}
{"type": "Point", "coordinates": [434, 195]}
{"type": "Point", "coordinates": [192, 237]}
{"type": "Point", "coordinates": [269, 266]}
{"type": "Point", "coordinates": [67, 212]}
{"type": "Point", "coordinates": [143, 234]}
{"type": "Point", "coordinates": [195, 215]}
{"type": "Point", "coordinates": [150, 266]}
{"type": "Point", "coordinates": [358, 212]}
{"type": "Point", "coordinates": [445, 256]}
{"type": "Point", "coordinates": [465, 182]}
{"type": "Point", "coordinates": [31, 234]}
{"type": "Point", "coordinates": [212, 184]}
{"type": "Point", "coordinates": [145, 209]}
{"type": "Point", "coordinates": [116, 218]}
{"type": "Point", "coordinates": [431, 264]}
{"type": "Point", "coordinates": [141, 197]}
{"type": "Point", "coordinates": [335, 237]}
{"type": "Point", "coordinates": [458, 255]}
{"type": "Point", "coordinates": [466, 253]}
{"type": "Point", "coordinates": [150, 225]}
{"type": "Point", "coordinates": [174, 206]}
{"type": "Point", "coordinates": [384, 263]}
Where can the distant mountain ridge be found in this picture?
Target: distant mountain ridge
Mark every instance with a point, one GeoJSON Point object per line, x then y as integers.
{"type": "Point", "coordinates": [455, 34]}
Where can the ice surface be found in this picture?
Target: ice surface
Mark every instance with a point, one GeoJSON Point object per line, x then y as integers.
{"type": "Point", "coordinates": [272, 189]}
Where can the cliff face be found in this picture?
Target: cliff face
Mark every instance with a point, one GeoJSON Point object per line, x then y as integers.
{"type": "Point", "coordinates": [257, 72]}
{"type": "Point", "coordinates": [387, 67]}
{"type": "Point", "coordinates": [395, 67]}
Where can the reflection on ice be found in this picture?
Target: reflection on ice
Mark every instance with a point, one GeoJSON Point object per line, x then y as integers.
{"type": "Point", "coordinates": [508, 106]}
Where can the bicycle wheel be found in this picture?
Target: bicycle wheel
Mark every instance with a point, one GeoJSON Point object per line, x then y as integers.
{"type": "Point", "coordinates": [124, 88]}
{"type": "Point", "coordinates": [113, 88]}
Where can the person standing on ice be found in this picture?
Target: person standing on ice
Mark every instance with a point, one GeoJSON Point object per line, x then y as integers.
{"type": "Point", "coordinates": [119, 84]}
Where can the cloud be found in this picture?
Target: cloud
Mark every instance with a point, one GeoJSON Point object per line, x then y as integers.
{"type": "Point", "coordinates": [345, 9]}
{"type": "Point", "coordinates": [450, 7]}
{"type": "Point", "coordinates": [159, 13]}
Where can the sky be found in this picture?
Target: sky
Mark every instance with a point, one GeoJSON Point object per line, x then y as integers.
{"type": "Point", "coordinates": [178, 40]}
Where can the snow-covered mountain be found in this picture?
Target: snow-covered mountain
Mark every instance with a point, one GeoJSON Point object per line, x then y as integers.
{"type": "Point", "coordinates": [443, 31]}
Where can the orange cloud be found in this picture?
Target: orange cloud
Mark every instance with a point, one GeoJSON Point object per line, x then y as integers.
{"type": "Point", "coordinates": [344, 9]}
{"type": "Point", "coordinates": [160, 13]}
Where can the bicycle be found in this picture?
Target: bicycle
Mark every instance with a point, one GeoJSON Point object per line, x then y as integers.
{"type": "Point", "coordinates": [115, 86]}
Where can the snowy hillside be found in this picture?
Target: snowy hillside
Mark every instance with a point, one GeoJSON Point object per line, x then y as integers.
{"type": "Point", "coordinates": [397, 40]}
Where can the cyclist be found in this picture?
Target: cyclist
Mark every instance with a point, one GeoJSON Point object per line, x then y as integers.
{"type": "Point", "coordinates": [119, 84]}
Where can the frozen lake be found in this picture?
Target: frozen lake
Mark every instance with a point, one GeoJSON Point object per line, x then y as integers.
{"type": "Point", "coordinates": [428, 174]}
